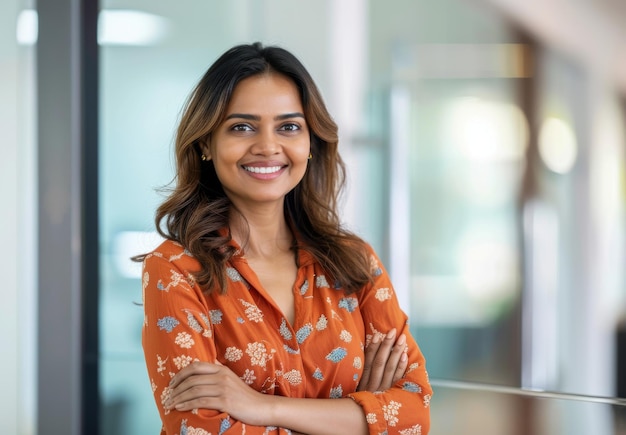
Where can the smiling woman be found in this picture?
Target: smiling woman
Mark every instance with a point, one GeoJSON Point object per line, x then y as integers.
{"type": "Point", "coordinates": [260, 151]}
{"type": "Point", "coordinates": [262, 314]}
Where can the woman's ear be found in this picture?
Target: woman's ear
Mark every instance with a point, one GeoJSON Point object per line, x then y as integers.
{"type": "Point", "coordinates": [205, 149]}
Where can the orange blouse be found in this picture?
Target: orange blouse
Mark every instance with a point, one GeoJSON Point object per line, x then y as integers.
{"type": "Point", "coordinates": [320, 356]}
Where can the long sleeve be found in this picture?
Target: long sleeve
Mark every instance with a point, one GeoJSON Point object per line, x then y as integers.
{"type": "Point", "coordinates": [404, 408]}
{"type": "Point", "coordinates": [177, 330]}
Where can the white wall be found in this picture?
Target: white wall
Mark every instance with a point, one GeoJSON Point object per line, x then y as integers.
{"type": "Point", "coordinates": [8, 219]}
{"type": "Point", "coordinates": [17, 306]}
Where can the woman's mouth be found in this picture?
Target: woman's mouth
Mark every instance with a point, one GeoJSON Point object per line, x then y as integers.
{"type": "Point", "coordinates": [262, 169]}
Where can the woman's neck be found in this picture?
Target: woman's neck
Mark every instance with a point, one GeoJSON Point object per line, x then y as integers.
{"type": "Point", "coordinates": [261, 235]}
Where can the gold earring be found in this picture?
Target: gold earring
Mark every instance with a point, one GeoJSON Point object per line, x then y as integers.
{"type": "Point", "coordinates": [310, 156]}
{"type": "Point", "coordinates": [204, 158]}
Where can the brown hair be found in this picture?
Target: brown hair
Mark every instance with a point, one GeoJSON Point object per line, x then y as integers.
{"type": "Point", "coordinates": [198, 208]}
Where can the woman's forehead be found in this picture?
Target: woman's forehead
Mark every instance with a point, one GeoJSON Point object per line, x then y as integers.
{"type": "Point", "coordinates": [265, 93]}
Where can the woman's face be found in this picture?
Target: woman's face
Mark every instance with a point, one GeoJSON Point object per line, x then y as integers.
{"type": "Point", "coordinates": [260, 150]}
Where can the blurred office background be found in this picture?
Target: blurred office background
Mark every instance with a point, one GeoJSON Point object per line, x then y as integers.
{"type": "Point", "coordinates": [486, 149]}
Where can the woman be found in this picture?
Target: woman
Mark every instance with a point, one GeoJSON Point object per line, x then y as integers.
{"type": "Point", "coordinates": [262, 314]}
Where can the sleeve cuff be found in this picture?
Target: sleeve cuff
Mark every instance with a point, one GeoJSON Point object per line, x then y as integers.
{"type": "Point", "coordinates": [373, 411]}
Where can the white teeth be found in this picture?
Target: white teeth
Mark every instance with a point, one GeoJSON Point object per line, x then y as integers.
{"type": "Point", "coordinates": [262, 170]}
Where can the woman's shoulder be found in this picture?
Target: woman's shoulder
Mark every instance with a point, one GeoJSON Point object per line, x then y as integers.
{"type": "Point", "coordinates": [376, 267]}
{"type": "Point", "coordinates": [173, 252]}
{"type": "Point", "coordinates": [363, 246]}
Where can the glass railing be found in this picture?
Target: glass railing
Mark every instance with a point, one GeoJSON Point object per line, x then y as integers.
{"type": "Point", "coordinates": [482, 409]}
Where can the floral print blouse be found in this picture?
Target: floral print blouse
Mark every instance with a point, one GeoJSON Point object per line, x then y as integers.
{"type": "Point", "coordinates": [320, 356]}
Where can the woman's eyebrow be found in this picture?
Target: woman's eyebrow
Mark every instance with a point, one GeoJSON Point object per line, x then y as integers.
{"type": "Point", "coordinates": [244, 116]}
{"type": "Point", "coordinates": [251, 117]}
{"type": "Point", "coordinates": [288, 116]}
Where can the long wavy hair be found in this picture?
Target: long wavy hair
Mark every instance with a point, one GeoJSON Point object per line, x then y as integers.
{"type": "Point", "coordinates": [198, 208]}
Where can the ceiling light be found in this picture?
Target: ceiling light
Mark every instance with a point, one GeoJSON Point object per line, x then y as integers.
{"type": "Point", "coordinates": [129, 27]}
{"type": "Point", "coordinates": [27, 27]}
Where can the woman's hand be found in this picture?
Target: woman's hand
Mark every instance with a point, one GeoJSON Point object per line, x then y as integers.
{"type": "Point", "coordinates": [385, 362]}
{"type": "Point", "coordinates": [215, 386]}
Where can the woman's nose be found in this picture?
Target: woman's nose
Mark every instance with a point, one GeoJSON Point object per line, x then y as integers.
{"type": "Point", "coordinates": [267, 143]}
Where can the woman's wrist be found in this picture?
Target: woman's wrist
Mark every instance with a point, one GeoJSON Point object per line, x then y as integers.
{"type": "Point", "coordinates": [274, 410]}
{"type": "Point", "coordinates": [313, 415]}
{"type": "Point", "coordinates": [268, 411]}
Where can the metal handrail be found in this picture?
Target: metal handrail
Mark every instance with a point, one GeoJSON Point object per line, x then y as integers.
{"type": "Point", "coordinates": [475, 386]}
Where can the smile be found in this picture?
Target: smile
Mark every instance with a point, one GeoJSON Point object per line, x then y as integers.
{"type": "Point", "coordinates": [263, 170]}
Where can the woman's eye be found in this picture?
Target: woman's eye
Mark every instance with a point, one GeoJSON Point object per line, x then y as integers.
{"type": "Point", "coordinates": [290, 127]}
{"type": "Point", "coordinates": [241, 127]}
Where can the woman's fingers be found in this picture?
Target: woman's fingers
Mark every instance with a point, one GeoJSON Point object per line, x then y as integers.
{"type": "Point", "coordinates": [375, 359]}
{"type": "Point", "coordinates": [201, 392]}
{"type": "Point", "coordinates": [382, 361]}
{"type": "Point", "coordinates": [195, 381]}
{"type": "Point", "coordinates": [370, 354]}
{"type": "Point", "coordinates": [200, 389]}
{"type": "Point", "coordinates": [195, 368]}
{"type": "Point", "coordinates": [393, 364]}
{"type": "Point", "coordinates": [402, 365]}
{"type": "Point", "coordinates": [204, 402]}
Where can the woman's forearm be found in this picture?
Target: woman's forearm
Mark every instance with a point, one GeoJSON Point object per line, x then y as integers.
{"type": "Point", "coordinates": [214, 386]}
{"type": "Point", "coordinates": [317, 416]}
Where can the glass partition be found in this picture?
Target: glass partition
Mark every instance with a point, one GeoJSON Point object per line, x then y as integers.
{"type": "Point", "coordinates": [457, 139]}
